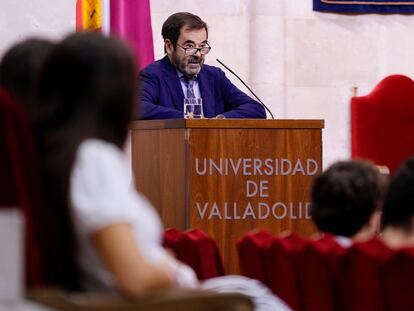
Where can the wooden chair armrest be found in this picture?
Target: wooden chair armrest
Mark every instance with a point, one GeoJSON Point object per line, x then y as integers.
{"type": "Point", "coordinates": [167, 300]}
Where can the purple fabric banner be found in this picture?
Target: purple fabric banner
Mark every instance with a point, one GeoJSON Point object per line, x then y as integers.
{"type": "Point", "coordinates": [365, 6]}
{"type": "Point", "coordinates": [131, 20]}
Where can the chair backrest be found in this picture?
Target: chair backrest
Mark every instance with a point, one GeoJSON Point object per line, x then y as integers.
{"type": "Point", "coordinates": [360, 277]}
{"type": "Point", "coordinates": [382, 123]}
{"type": "Point", "coordinates": [317, 268]}
{"type": "Point", "coordinates": [281, 260]}
{"type": "Point", "coordinates": [170, 238]}
{"type": "Point", "coordinates": [196, 249]}
{"type": "Point", "coordinates": [398, 273]}
{"type": "Point", "coordinates": [251, 250]}
{"type": "Point", "coordinates": [200, 251]}
{"type": "Point", "coordinates": [19, 179]}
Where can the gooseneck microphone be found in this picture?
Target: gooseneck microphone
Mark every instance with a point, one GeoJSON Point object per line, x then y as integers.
{"type": "Point", "coordinates": [264, 106]}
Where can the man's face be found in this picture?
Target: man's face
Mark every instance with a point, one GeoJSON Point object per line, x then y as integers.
{"type": "Point", "coordinates": [189, 65]}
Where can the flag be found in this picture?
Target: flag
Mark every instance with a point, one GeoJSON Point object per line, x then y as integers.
{"type": "Point", "coordinates": [131, 20]}
{"type": "Point", "coordinates": [128, 19]}
{"type": "Point", "coordinates": [88, 15]}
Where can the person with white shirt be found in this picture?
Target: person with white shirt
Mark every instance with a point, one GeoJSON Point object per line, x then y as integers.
{"type": "Point", "coordinates": [84, 99]}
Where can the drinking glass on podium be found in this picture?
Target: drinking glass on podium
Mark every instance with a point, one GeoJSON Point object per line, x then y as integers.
{"type": "Point", "coordinates": [193, 108]}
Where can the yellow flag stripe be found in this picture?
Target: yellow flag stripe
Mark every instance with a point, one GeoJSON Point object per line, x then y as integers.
{"type": "Point", "coordinates": [92, 14]}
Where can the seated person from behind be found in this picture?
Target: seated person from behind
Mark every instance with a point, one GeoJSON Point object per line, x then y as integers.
{"type": "Point", "coordinates": [181, 74]}
{"type": "Point", "coordinates": [20, 66]}
{"type": "Point", "coordinates": [346, 201]}
{"type": "Point", "coordinates": [398, 213]}
{"type": "Point", "coordinates": [87, 239]}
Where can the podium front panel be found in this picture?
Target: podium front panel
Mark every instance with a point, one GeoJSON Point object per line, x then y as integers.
{"type": "Point", "coordinates": [244, 179]}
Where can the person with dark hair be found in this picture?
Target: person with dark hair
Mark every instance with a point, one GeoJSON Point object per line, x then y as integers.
{"type": "Point", "coordinates": [182, 74]}
{"type": "Point", "coordinates": [398, 212]}
{"type": "Point", "coordinates": [19, 68]}
{"type": "Point", "coordinates": [347, 199]}
{"type": "Point", "coordinates": [85, 102]}
{"type": "Point", "coordinates": [96, 231]}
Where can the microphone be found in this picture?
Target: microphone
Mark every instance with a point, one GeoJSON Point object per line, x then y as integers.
{"type": "Point", "coordinates": [264, 106]}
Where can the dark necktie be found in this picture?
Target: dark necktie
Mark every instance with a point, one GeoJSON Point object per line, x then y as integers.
{"type": "Point", "coordinates": [189, 82]}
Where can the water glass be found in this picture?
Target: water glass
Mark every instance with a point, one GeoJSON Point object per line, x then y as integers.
{"type": "Point", "coordinates": [193, 108]}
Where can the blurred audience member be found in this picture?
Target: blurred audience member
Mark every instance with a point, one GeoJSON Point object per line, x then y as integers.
{"type": "Point", "coordinates": [398, 214]}
{"type": "Point", "coordinates": [93, 216]}
{"type": "Point", "coordinates": [347, 199]}
{"type": "Point", "coordinates": [20, 66]}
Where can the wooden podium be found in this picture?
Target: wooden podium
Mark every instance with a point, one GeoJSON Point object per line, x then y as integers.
{"type": "Point", "coordinates": [229, 176]}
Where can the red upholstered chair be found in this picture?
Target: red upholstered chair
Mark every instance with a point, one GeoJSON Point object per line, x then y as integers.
{"type": "Point", "coordinates": [19, 182]}
{"type": "Point", "coordinates": [317, 268]}
{"type": "Point", "coordinates": [360, 277]}
{"type": "Point", "coordinates": [382, 122]}
{"type": "Point", "coordinates": [196, 249]}
{"type": "Point", "coordinates": [281, 261]}
{"type": "Point", "coordinates": [170, 238]}
{"type": "Point", "coordinates": [398, 275]}
{"type": "Point", "coordinates": [251, 248]}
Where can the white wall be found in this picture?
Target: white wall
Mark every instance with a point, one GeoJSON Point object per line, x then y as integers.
{"type": "Point", "coordinates": [20, 19]}
{"type": "Point", "coordinates": [302, 64]}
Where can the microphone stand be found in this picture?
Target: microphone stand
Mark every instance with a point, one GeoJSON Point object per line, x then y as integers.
{"type": "Point", "coordinates": [264, 106]}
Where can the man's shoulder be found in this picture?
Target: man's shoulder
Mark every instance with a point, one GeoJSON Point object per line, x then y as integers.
{"type": "Point", "coordinates": [159, 67]}
{"type": "Point", "coordinates": [211, 70]}
{"type": "Point", "coordinates": [154, 67]}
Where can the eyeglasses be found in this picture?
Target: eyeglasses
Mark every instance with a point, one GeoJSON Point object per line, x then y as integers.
{"type": "Point", "coordinates": [193, 50]}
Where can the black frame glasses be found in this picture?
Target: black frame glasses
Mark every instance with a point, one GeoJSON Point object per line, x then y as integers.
{"type": "Point", "coordinates": [193, 50]}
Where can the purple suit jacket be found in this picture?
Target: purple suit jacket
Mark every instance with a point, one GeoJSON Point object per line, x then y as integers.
{"type": "Point", "coordinates": [162, 97]}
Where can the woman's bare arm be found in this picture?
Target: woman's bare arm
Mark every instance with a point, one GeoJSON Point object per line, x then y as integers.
{"type": "Point", "coordinates": [133, 273]}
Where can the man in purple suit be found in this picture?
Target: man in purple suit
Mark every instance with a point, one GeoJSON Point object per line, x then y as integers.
{"type": "Point", "coordinates": [181, 74]}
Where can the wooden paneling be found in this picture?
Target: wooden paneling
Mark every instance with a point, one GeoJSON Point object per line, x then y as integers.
{"type": "Point", "coordinates": [159, 166]}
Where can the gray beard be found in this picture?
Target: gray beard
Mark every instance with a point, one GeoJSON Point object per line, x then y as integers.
{"type": "Point", "coordinates": [183, 68]}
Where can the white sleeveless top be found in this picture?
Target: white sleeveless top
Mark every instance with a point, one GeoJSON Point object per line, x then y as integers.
{"type": "Point", "coordinates": [101, 194]}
